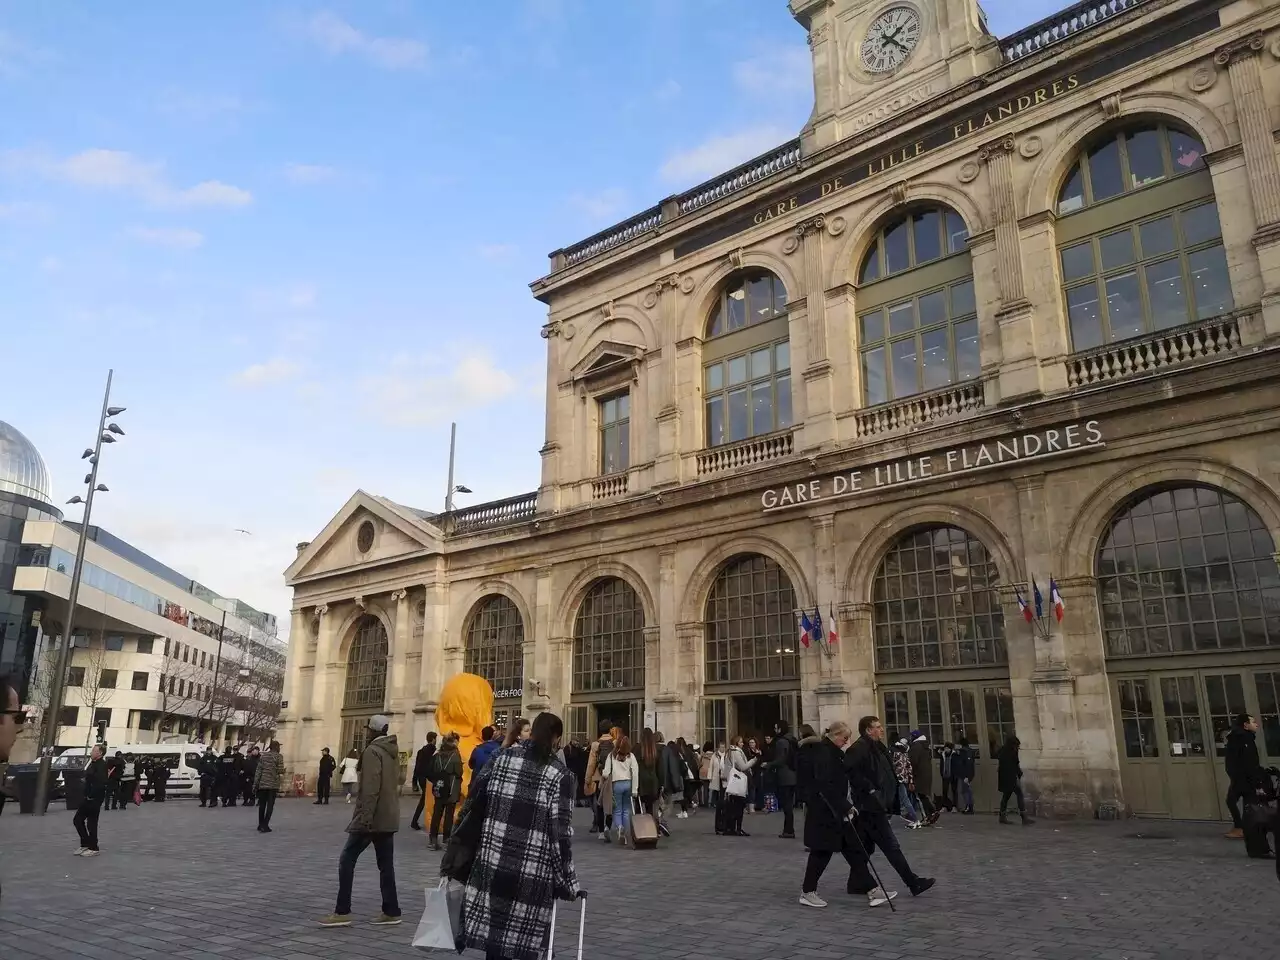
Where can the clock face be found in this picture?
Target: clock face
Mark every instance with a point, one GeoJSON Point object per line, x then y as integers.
{"type": "Point", "coordinates": [892, 37]}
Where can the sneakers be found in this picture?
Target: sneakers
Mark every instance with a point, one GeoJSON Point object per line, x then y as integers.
{"type": "Point", "coordinates": [880, 896]}
{"type": "Point", "coordinates": [79, 851]}
{"type": "Point", "coordinates": [336, 920]}
{"type": "Point", "coordinates": [812, 900]}
{"type": "Point", "coordinates": [921, 885]}
{"type": "Point", "coordinates": [90, 853]}
{"type": "Point", "coordinates": [1235, 833]}
{"type": "Point", "coordinates": [382, 920]}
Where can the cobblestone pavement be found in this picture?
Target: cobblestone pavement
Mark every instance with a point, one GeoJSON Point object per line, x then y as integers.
{"type": "Point", "coordinates": [176, 881]}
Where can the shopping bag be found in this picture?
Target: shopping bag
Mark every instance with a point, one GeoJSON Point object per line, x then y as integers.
{"type": "Point", "coordinates": [441, 923]}
{"type": "Point", "coordinates": [137, 797]}
{"type": "Point", "coordinates": [737, 784]}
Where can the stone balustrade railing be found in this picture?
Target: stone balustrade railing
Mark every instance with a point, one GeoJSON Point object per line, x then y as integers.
{"type": "Point", "coordinates": [1067, 23]}
{"type": "Point", "coordinates": [1169, 348]}
{"type": "Point", "coordinates": [748, 453]}
{"type": "Point", "coordinates": [637, 226]}
{"type": "Point", "coordinates": [920, 410]}
{"type": "Point", "coordinates": [606, 488]}
{"type": "Point", "coordinates": [741, 177]}
{"type": "Point", "coordinates": [496, 513]}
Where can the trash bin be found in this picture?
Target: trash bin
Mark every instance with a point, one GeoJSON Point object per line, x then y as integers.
{"type": "Point", "coordinates": [73, 783]}
{"type": "Point", "coordinates": [26, 786]}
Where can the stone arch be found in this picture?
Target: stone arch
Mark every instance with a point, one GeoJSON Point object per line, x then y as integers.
{"type": "Point", "coordinates": [693, 604]}
{"type": "Point", "coordinates": [860, 573]}
{"type": "Point", "coordinates": [844, 268]}
{"type": "Point", "coordinates": [693, 319]}
{"type": "Point", "coordinates": [594, 570]}
{"type": "Point", "coordinates": [594, 327]}
{"type": "Point", "coordinates": [486, 589]}
{"type": "Point", "coordinates": [1080, 545]}
{"type": "Point", "coordinates": [346, 631]}
{"type": "Point", "coordinates": [1042, 188]}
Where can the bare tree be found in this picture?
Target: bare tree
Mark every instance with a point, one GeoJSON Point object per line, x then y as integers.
{"type": "Point", "coordinates": [94, 693]}
{"type": "Point", "coordinates": [40, 686]}
{"type": "Point", "coordinates": [177, 690]}
{"type": "Point", "coordinates": [252, 684]}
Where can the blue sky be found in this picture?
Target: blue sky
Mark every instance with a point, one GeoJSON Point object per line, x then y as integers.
{"type": "Point", "coordinates": [302, 234]}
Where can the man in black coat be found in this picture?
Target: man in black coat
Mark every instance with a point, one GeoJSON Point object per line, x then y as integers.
{"type": "Point", "coordinates": [95, 792]}
{"type": "Point", "coordinates": [1248, 781]}
{"type": "Point", "coordinates": [324, 778]}
{"type": "Point", "coordinates": [783, 768]}
{"type": "Point", "coordinates": [228, 778]}
{"type": "Point", "coordinates": [873, 788]}
{"type": "Point", "coordinates": [422, 778]}
{"type": "Point", "coordinates": [207, 767]}
{"type": "Point", "coordinates": [248, 770]}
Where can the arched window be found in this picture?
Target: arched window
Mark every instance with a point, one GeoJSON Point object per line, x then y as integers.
{"type": "Point", "coordinates": [935, 603]}
{"type": "Point", "coordinates": [1185, 570]}
{"type": "Point", "coordinates": [365, 691]}
{"type": "Point", "coordinates": [608, 639]}
{"type": "Point", "coordinates": [1141, 249]}
{"type": "Point", "coordinates": [917, 315]}
{"type": "Point", "coordinates": [495, 647]}
{"type": "Point", "coordinates": [747, 360]}
{"type": "Point", "coordinates": [751, 623]}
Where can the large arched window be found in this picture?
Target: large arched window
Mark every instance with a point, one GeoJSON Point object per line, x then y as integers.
{"type": "Point", "coordinates": [1139, 240]}
{"type": "Point", "coordinates": [495, 647]}
{"type": "Point", "coordinates": [935, 603]}
{"type": "Point", "coordinates": [917, 315]}
{"type": "Point", "coordinates": [751, 623]}
{"type": "Point", "coordinates": [608, 639]}
{"type": "Point", "coordinates": [1185, 570]}
{"type": "Point", "coordinates": [747, 360]}
{"type": "Point", "coordinates": [365, 691]}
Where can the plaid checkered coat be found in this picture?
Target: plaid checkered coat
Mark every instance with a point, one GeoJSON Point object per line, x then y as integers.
{"type": "Point", "coordinates": [525, 858]}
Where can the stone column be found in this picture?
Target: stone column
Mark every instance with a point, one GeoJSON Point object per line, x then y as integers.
{"type": "Point", "coordinates": [288, 725]}
{"type": "Point", "coordinates": [548, 489]}
{"type": "Point", "coordinates": [819, 423]}
{"type": "Point", "coordinates": [400, 651]}
{"type": "Point", "coordinates": [543, 669]}
{"type": "Point", "coordinates": [667, 461]}
{"type": "Point", "coordinates": [689, 682]}
{"type": "Point", "coordinates": [856, 657]}
{"type": "Point", "coordinates": [652, 665]}
{"type": "Point", "coordinates": [689, 394]}
{"type": "Point", "coordinates": [560, 674]}
{"type": "Point", "coordinates": [435, 643]}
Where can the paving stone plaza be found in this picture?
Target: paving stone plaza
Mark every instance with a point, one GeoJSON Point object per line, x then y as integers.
{"type": "Point", "coordinates": [181, 883]}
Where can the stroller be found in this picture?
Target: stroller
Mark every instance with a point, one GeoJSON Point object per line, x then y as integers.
{"type": "Point", "coordinates": [1261, 817]}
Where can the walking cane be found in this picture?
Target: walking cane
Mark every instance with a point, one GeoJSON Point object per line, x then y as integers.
{"type": "Point", "coordinates": [854, 830]}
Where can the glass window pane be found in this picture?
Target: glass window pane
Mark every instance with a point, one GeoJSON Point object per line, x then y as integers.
{"type": "Point", "coordinates": [784, 401]}
{"type": "Point", "coordinates": [1200, 224]}
{"type": "Point", "coordinates": [927, 227]}
{"type": "Point", "coordinates": [871, 265]}
{"type": "Point", "coordinates": [1083, 314]}
{"type": "Point", "coordinates": [624, 406]}
{"type": "Point", "coordinates": [1071, 197]}
{"type": "Point", "coordinates": [782, 356]}
{"type": "Point", "coordinates": [759, 298]}
{"type": "Point", "coordinates": [1104, 171]}
{"type": "Point", "coordinates": [1187, 152]}
{"type": "Point", "coordinates": [1077, 261]}
{"type": "Point", "coordinates": [1164, 292]}
{"type": "Point", "coordinates": [962, 299]}
{"type": "Point", "coordinates": [1158, 237]}
{"type": "Point", "coordinates": [737, 370]}
{"type": "Point", "coordinates": [779, 297]}
{"type": "Point", "coordinates": [906, 375]}
{"type": "Point", "coordinates": [873, 378]}
{"type": "Point", "coordinates": [1117, 249]}
{"type": "Point", "coordinates": [1146, 157]}
{"type": "Point", "coordinates": [715, 376]}
{"type": "Point", "coordinates": [760, 363]}
{"type": "Point", "coordinates": [716, 325]}
{"type": "Point", "coordinates": [902, 317]}
{"type": "Point", "coordinates": [933, 308]}
{"type": "Point", "coordinates": [610, 410]}
{"type": "Point", "coordinates": [957, 232]}
{"type": "Point", "coordinates": [968, 354]}
{"type": "Point", "coordinates": [762, 408]}
{"type": "Point", "coordinates": [1124, 306]}
{"type": "Point", "coordinates": [897, 256]}
{"type": "Point", "coordinates": [737, 304]}
{"type": "Point", "coordinates": [739, 419]}
{"type": "Point", "coordinates": [715, 421]}
{"type": "Point", "coordinates": [1210, 283]}
{"type": "Point", "coordinates": [934, 359]}
{"type": "Point", "coordinates": [873, 326]}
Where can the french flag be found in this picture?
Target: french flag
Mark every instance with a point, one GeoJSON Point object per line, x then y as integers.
{"type": "Point", "coordinates": [833, 636]}
{"type": "Point", "coordinates": [1022, 605]}
{"type": "Point", "coordinates": [1055, 599]}
{"type": "Point", "coordinates": [806, 630]}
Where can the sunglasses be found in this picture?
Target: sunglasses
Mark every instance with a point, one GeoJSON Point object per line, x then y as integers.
{"type": "Point", "coordinates": [19, 716]}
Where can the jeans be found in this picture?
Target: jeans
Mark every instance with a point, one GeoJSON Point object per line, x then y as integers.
{"type": "Point", "coordinates": [416, 819]}
{"type": "Point", "coordinates": [384, 850]}
{"type": "Point", "coordinates": [875, 830]}
{"type": "Point", "coordinates": [906, 809]}
{"type": "Point", "coordinates": [787, 803]}
{"type": "Point", "coordinates": [734, 808]}
{"type": "Point", "coordinates": [86, 823]}
{"type": "Point", "coordinates": [266, 805]}
{"type": "Point", "coordinates": [323, 788]}
{"type": "Point", "coordinates": [949, 792]}
{"type": "Point", "coordinates": [621, 805]}
{"type": "Point", "coordinates": [1234, 796]}
{"type": "Point", "coordinates": [445, 810]}
{"type": "Point", "coordinates": [1015, 792]}
{"type": "Point", "coordinates": [348, 789]}
{"type": "Point", "coordinates": [966, 795]}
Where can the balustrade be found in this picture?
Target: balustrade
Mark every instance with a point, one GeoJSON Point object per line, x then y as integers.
{"type": "Point", "coordinates": [1169, 348]}
{"type": "Point", "coordinates": [921, 409]}
{"type": "Point", "coordinates": [748, 453]}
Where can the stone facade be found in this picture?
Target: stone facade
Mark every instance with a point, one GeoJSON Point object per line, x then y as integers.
{"type": "Point", "coordinates": [1175, 406]}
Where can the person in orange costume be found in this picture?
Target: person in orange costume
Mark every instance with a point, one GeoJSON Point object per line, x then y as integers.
{"type": "Point", "coordinates": [465, 708]}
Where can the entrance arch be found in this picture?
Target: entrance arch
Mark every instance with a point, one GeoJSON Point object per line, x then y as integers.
{"type": "Point", "coordinates": [365, 687]}
{"type": "Point", "coordinates": [494, 649]}
{"type": "Point", "coordinates": [608, 672]}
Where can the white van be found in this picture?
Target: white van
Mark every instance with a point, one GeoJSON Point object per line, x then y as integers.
{"type": "Point", "coordinates": [182, 759]}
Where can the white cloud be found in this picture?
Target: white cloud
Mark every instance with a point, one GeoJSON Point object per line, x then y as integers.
{"type": "Point", "coordinates": [309, 173]}
{"type": "Point", "coordinates": [337, 36]}
{"type": "Point", "coordinates": [177, 238]}
{"type": "Point", "coordinates": [119, 170]}
{"type": "Point", "coordinates": [783, 71]}
{"type": "Point", "coordinates": [496, 251]}
{"type": "Point", "coordinates": [602, 205]}
{"type": "Point", "coordinates": [416, 390]}
{"type": "Point", "coordinates": [269, 372]}
{"type": "Point", "coordinates": [720, 153]}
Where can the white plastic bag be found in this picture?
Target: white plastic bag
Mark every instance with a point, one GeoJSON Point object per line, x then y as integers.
{"type": "Point", "coordinates": [441, 922]}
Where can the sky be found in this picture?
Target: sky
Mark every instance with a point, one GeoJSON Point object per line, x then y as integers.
{"type": "Point", "coordinates": [302, 236]}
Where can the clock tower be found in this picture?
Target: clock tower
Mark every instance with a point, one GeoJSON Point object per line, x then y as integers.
{"type": "Point", "coordinates": [874, 59]}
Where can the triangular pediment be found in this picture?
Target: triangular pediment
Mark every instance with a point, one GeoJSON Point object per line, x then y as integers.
{"type": "Point", "coordinates": [367, 531]}
{"type": "Point", "coordinates": [606, 357]}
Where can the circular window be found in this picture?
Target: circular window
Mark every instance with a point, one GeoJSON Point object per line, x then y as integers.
{"type": "Point", "coordinates": [364, 537]}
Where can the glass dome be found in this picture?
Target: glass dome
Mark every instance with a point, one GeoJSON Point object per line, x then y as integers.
{"type": "Point", "coordinates": [22, 469]}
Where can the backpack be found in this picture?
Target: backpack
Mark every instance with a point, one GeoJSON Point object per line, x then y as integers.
{"type": "Point", "coordinates": [441, 781]}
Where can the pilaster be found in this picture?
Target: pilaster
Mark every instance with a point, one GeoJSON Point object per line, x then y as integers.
{"type": "Point", "coordinates": [855, 655]}
{"type": "Point", "coordinates": [819, 423]}
{"type": "Point", "coordinates": [652, 665]}
{"type": "Point", "coordinates": [400, 650]}
{"type": "Point", "coordinates": [667, 463]}
{"type": "Point", "coordinates": [435, 645]}
{"type": "Point", "coordinates": [661, 674]}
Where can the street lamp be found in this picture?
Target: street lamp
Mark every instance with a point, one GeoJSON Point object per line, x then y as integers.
{"type": "Point", "coordinates": [107, 433]}
{"type": "Point", "coordinates": [458, 488]}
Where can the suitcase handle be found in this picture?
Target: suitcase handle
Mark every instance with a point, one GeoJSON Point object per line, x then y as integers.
{"type": "Point", "coordinates": [582, 926]}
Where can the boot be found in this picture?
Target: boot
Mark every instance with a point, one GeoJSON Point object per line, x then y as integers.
{"type": "Point", "coordinates": [1004, 817]}
{"type": "Point", "coordinates": [1026, 821]}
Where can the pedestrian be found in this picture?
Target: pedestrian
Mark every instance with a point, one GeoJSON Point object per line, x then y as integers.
{"type": "Point", "coordinates": [524, 859]}
{"type": "Point", "coordinates": [160, 772]}
{"type": "Point", "coordinates": [829, 817]}
{"type": "Point", "coordinates": [648, 784]}
{"type": "Point", "coordinates": [671, 773]}
{"type": "Point", "coordinates": [1009, 779]}
{"type": "Point", "coordinates": [1248, 786]}
{"type": "Point", "coordinates": [228, 777]}
{"type": "Point", "coordinates": [207, 767]}
{"type": "Point", "coordinates": [920, 757]}
{"type": "Point", "coordinates": [492, 742]}
{"type": "Point", "coordinates": [324, 779]}
{"type": "Point", "coordinates": [906, 784]}
{"type": "Point", "coordinates": [736, 787]}
{"type": "Point", "coordinates": [115, 777]}
{"type": "Point", "coordinates": [597, 785]}
{"type": "Point", "coordinates": [266, 784]}
{"type": "Point", "coordinates": [663, 768]}
{"type": "Point", "coordinates": [783, 768]}
{"type": "Point", "coordinates": [964, 766]}
{"type": "Point", "coordinates": [622, 773]}
{"type": "Point", "coordinates": [519, 730]}
{"type": "Point", "coordinates": [95, 793]}
{"type": "Point", "coordinates": [421, 778]}
{"type": "Point", "coordinates": [248, 774]}
{"type": "Point", "coordinates": [445, 784]}
{"type": "Point", "coordinates": [873, 790]}
{"type": "Point", "coordinates": [946, 771]}
{"type": "Point", "coordinates": [755, 795]}
{"type": "Point", "coordinates": [715, 785]}
{"type": "Point", "coordinates": [374, 821]}
{"type": "Point", "coordinates": [142, 771]}
{"type": "Point", "coordinates": [350, 773]}
{"type": "Point", "coordinates": [691, 779]}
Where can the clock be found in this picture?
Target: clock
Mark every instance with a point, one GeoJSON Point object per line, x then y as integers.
{"type": "Point", "coordinates": [890, 40]}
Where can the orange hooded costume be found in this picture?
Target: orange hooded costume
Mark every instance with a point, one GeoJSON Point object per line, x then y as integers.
{"type": "Point", "coordinates": [465, 708]}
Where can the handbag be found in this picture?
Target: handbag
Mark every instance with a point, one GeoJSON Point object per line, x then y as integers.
{"type": "Point", "coordinates": [441, 925]}
{"type": "Point", "coordinates": [737, 784]}
{"type": "Point", "coordinates": [460, 852]}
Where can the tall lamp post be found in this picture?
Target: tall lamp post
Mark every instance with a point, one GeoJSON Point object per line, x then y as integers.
{"type": "Point", "coordinates": [459, 488]}
{"type": "Point", "coordinates": [107, 433]}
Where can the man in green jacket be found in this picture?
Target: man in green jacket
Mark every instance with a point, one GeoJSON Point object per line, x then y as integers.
{"type": "Point", "coordinates": [375, 821]}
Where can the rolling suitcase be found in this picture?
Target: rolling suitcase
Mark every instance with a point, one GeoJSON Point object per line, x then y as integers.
{"type": "Point", "coordinates": [644, 827]}
{"type": "Point", "coordinates": [582, 928]}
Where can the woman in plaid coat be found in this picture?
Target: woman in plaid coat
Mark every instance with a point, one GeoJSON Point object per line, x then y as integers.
{"type": "Point", "coordinates": [524, 860]}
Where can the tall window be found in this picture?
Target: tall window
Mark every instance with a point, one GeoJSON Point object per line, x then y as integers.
{"type": "Point", "coordinates": [747, 361]}
{"type": "Point", "coordinates": [608, 639]}
{"type": "Point", "coordinates": [366, 687]}
{"type": "Point", "coordinates": [917, 315]}
{"type": "Point", "coordinates": [751, 623]}
{"type": "Point", "coordinates": [1186, 570]}
{"type": "Point", "coordinates": [1151, 257]}
{"type": "Point", "coordinates": [615, 433]}
{"type": "Point", "coordinates": [935, 603]}
{"type": "Point", "coordinates": [495, 646]}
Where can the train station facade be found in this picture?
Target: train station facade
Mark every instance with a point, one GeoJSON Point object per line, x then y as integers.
{"type": "Point", "coordinates": [1006, 311]}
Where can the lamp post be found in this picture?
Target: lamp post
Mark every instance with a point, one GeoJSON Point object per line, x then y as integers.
{"type": "Point", "coordinates": [217, 665]}
{"type": "Point", "coordinates": [107, 433]}
{"type": "Point", "coordinates": [448, 497]}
